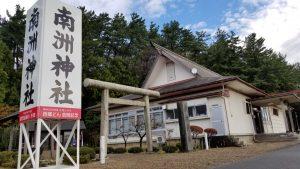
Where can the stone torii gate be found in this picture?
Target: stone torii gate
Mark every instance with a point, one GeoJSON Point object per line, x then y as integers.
{"type": "Point", "coordinates": [106, 100]}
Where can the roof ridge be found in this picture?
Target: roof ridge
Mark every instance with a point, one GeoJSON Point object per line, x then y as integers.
{"type": "Point", "coordinates": [184, 58]}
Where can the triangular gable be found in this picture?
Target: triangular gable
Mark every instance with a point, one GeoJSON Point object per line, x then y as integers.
{"type": "Point", "coordinates": [201, 70]}
{"type": "Point", "coordinates": [183, 66]}
{"type": "Point", "coordinates": [165, 71]}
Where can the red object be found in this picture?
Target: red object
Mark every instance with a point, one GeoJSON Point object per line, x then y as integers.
{"type": "Point", "coordinates": [46, 112]}
{"type": "Point", "coordinates": [196, 129]}
{"type": "Point", "coordinates": [210, 131]}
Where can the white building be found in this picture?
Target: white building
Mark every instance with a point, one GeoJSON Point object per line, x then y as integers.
{"type": "Point", "coordinates": [230, 105]}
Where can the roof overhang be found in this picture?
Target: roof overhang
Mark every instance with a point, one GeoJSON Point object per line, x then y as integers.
{"type": "Point", "coordinates": [243, 87]}
{"type": "Point", "coordinates": [275, 99]}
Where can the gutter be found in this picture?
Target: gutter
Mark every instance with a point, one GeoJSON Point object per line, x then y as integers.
{"type": "Point", "coordinates": [296, 96]}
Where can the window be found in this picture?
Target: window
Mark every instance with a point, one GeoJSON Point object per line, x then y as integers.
{"type": "Point", "coordinates": [112, 127]}
{"type": "Point", "coordinates": [275, 112]}
{"type": "Point", "coordinates": [119, 122]}
{"type": "Point", "coordinates": [125, 124]}
{"type": "Point", "coordinates": [157, 120]}
{"type": "Point", "coordinates": [191, 111]}
{"type": "Point", "coordinates": [198, 110]}
{"type": "Point", "coordinates": [140, 119]}
{"type": "Point", "coordinates": [172, 114]}
{"type": "Point", "coordinates": [118, 125]}
{"type": "Point", "coordinates": [265, 114]}
{"type": "Point", "coordinates": [127, 121]}
{"type": "Point", "coordinates": [248, 108]}
{"type": "Point", "coordinates": [131, 122]}
{"type": "Point", "coordinates": [201, 110]}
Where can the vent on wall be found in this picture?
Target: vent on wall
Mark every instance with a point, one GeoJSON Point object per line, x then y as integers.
{"type": "Point", "coordinates": [171, 71]}
{"type": "Point", "coordinates": [161, 140]}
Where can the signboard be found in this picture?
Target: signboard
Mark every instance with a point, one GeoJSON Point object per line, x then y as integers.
{"type": "Point", "coordinates": [51, 77]}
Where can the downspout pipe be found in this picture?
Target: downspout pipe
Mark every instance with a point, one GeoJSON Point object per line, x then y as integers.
{"type": "Point", "coordinates": [225, 107]}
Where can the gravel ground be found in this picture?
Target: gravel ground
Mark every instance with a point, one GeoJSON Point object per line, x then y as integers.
{"type": "Point", "coordinates": [201, 159]}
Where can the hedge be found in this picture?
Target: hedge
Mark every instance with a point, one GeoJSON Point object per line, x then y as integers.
{"type": "Point", "coordinates": [135, 150]}
{"type": "Point", "coordinates": [110, 150]}
{"type": "Point", "coordinates": [120, 150]}
{"type": "Point", "coordinates": [86, 154]}
{"type": "Point", "coordinates": [169, 149]}
{"type": "Point", "coordinates": [8, 159]}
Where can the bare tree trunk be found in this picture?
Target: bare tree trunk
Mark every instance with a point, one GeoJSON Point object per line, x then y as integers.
{"type": "Point", "coordinates": [141, 142]}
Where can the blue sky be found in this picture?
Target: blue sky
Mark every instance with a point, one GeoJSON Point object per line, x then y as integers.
{"type": "Point", "coordinates": [208, 12]}
{"type": "Point", "coordinates": [275, 20]}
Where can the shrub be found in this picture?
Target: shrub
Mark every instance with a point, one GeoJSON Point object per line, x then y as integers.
{"type": "Point", "coordinates": [179, 147]}
{"type": "Point", "coordinates": [110, 150]}
{"type": "Point", "coordinates": [135, 150]}
{"type": "Point", "coordinates": [155, 149]}
{"type": "Point", "coordinates": [120, 150]}
{"type": "Point", "coordinates": [7, 157]}
{"type": "Point", "coordinates": [72, 151]}
{"type": "Point", "coordinates": [97, 150]}
{"type": "Point", "coordinates": [24, 157]}
{"type": "Point", "coordinates": [169, 149]}
{"type": "Point", "coordinates": [82, 160]}
{"type": "Point", "coordinates": [9, 164]}
{"type": "Point", "coordinates": [87, 151]}
{"type": "Point", "coordinates": [83, 151]}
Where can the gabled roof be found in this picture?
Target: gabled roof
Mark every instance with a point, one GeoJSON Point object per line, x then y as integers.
{"type": "Point", "coordinates": [176, 58]}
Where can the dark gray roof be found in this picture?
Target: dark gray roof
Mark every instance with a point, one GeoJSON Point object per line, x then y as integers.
{"type": "Point", "coordinates": [9, 117]}
{"type": "Point", "coordinates": [185, 84]}
{"type": "Point", "coordinates": [191, 83]}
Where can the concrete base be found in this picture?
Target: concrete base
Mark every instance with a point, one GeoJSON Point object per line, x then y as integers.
{"type": "Point", "coordinates": [244, 139]}
{"type": "Point", "coordinates": [59, 167]}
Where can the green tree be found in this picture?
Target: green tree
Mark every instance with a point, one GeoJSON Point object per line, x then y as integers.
{"type": "Point", "coordinates": [267, 69]}
{"type": "Point", "coordinates": [153, 33]}
{"type": "Point", "coordinates": [12, 32]}
{"type": "Point", "coordinates": [223, 55]}
{"type": "Point", "coordinates": [171, 34]}
{"type": "Point", "coordinates": [4, 52]}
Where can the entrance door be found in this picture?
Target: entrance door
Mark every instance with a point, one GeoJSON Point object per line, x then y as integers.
{"type": "Point", "coordinates": [258, 121]}
{"type": "Point", "coordinates": [217, 119]}
{"type": "Point", "coordinates": [288, 121]}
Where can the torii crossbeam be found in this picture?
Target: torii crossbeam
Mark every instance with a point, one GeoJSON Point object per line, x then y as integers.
{"type": "Point", "coordinates": [106, 100]}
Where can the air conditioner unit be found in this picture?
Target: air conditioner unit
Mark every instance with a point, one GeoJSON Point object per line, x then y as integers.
{"type": "Point", "coordinates": [160, 139]}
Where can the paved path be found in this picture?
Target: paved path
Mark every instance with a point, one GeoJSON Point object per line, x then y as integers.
{"type": "Point", "coordinates": [287, 158]}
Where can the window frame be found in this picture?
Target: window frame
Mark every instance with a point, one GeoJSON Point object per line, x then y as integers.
{"type": "Point", "coordinates": [249, 108]}
{"type": "Point", "coordinates": [277, 112]}
{"type": "Point", "coordinates": [194, 109]}
{"type": "Point", "coordinates": [134, 115]}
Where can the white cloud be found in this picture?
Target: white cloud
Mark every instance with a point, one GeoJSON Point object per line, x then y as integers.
{"type": "Point", "coordinates": [111, 7]}
{"type": "Point", "coordinates": [197, 26]}
{"type": "Point", "coordinates": [155, 8]}
{"type": "Point", "coordinates": [254, 2]}
{"type": "Point", "coordinates": [10, 5]}
{"type": "Point", "coordinates": [276, 20]}
{"type": "Point", "coordinates": [151, 8]}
